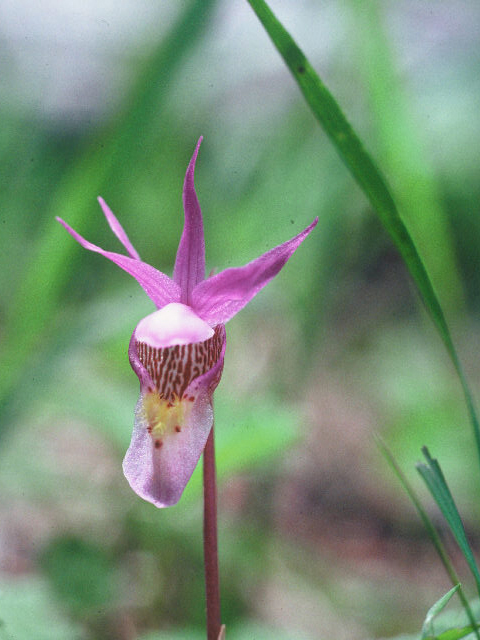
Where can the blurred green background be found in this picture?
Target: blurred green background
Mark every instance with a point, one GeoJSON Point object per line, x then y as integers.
{"type": "Point", "coordinates": [316, 537]}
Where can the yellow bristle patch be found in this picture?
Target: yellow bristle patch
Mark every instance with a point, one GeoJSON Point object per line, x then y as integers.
{"type": "Point", "coordinates": [165, 416]}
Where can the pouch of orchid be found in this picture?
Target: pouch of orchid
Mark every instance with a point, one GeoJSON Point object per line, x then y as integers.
{"type": "Point", "coordinates": [177, 351]}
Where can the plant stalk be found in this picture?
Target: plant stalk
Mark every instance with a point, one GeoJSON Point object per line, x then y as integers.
{"type": "Point", "coordinates": [210, 543]}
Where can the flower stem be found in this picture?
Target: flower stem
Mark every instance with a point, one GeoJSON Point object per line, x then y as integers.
{"type": "Point", "coordinates": [210, 546]}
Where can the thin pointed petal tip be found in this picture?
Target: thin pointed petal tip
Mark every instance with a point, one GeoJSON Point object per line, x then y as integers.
{"type": "Point", "coordinates": [193, 161]}
{"type": "Point", "coordinates": [189, 267]}
{"type": "Point", "coordinates": [310, 228]}
{"type": "Point", "coordinates": [117, 229]}
{"type": "Point", "coordinates": [197, 146]}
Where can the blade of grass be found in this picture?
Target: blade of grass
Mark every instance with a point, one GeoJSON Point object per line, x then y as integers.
{"type": "Point", "coordinates": [36, 300]}
{"type": "Point", "coordinates": [435, 609]}
{"type": "Point", "coordinates": [431, 531]}
{"type": "Point", "coordinates": [436, 483]}
{"type": "Point", "coordinates": [364, 170]}
{"type": "Point", "coordinates": [454, 634]}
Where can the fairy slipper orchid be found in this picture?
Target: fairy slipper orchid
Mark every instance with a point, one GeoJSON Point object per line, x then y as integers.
{"type": "Point", "coordinates": [177, 351]}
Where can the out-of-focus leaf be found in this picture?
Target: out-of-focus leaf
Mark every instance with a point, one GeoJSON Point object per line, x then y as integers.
{"type": "Point", "coordinates": [181, 634]}
{"type": "Point", "coordinates": [247, 631]}
{"type": "Point", "coordinates": [81, 574]}
{"type": "Point", "coordinates": [254, 631]}
{"type": "Point", "coordinates": [245, 438]}
{"type": "Point", "coordinates": [29, 612]}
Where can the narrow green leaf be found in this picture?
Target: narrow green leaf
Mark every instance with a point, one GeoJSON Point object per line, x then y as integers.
{"type": "Point", "coordinates": [435, 609]}
{"type": "Point", "coordinates": [436, 483]}
{"type": "Point", "coordinates": [456, 634]}
{"type": "Point", "coordinates": [432, 532]}
{"type": "Point", "coordinates": [364, 170]}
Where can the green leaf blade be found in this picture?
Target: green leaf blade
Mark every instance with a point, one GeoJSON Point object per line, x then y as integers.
{"type": "Point", "coordinates": [435, 609]}
{"type": "Point", "coordinates": [432, 532]}
{"type": "Point", "coordinates": [456, 634]}
{"type": "Point", "coordinates": [437, 485]}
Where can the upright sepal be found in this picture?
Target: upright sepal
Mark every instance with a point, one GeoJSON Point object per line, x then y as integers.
{"type": "Point", "coordinates": [189, 267]}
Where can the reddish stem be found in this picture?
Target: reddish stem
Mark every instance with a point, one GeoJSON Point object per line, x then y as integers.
{"type": "Point", "coordinates": [210, 545]}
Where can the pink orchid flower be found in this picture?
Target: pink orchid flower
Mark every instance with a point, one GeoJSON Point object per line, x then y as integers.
{"type": "Point", "coordinates": [177, 351]}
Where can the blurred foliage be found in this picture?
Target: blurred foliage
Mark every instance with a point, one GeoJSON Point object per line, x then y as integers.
{"type": "Point", "coordinates": [82, 575]}
{"type": "Point", "coordinates": [28, 610]}
{"type": "Point", "coordinates": [314, 532]}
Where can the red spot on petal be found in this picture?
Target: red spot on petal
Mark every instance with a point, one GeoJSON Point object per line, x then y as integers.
{"type": "Point", "coordinates": [158, 444]}
{"type": "Point", "coordinates": [178, 428]}
{"type": "Point", "coordinates": [191, 399]}
{"type": "Point", "coordinates": [169, 405]}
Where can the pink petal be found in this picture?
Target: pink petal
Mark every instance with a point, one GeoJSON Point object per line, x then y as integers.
{"type": "Point", "coordinates": [220, 297]}
{"type": "Point", "coordinates": [189, 267]}
{"type": "Point", "coordinates": [117, 229]}
{"type": "Point", "coordinates": [159, 287]}
{"type": "Point", "coordinates": [159, 475]}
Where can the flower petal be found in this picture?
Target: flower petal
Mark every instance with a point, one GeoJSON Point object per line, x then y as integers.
{"type": "Point", "coordinates": [158, 466]}
{"type": "Point", "coordinates": [159, 287]}
{"type": "Point", "coordinates": [117, 229]}
{"type": "Point", "coordinates": [220, 297]}
{"type": "Point", "coordinates": [190, 261]}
